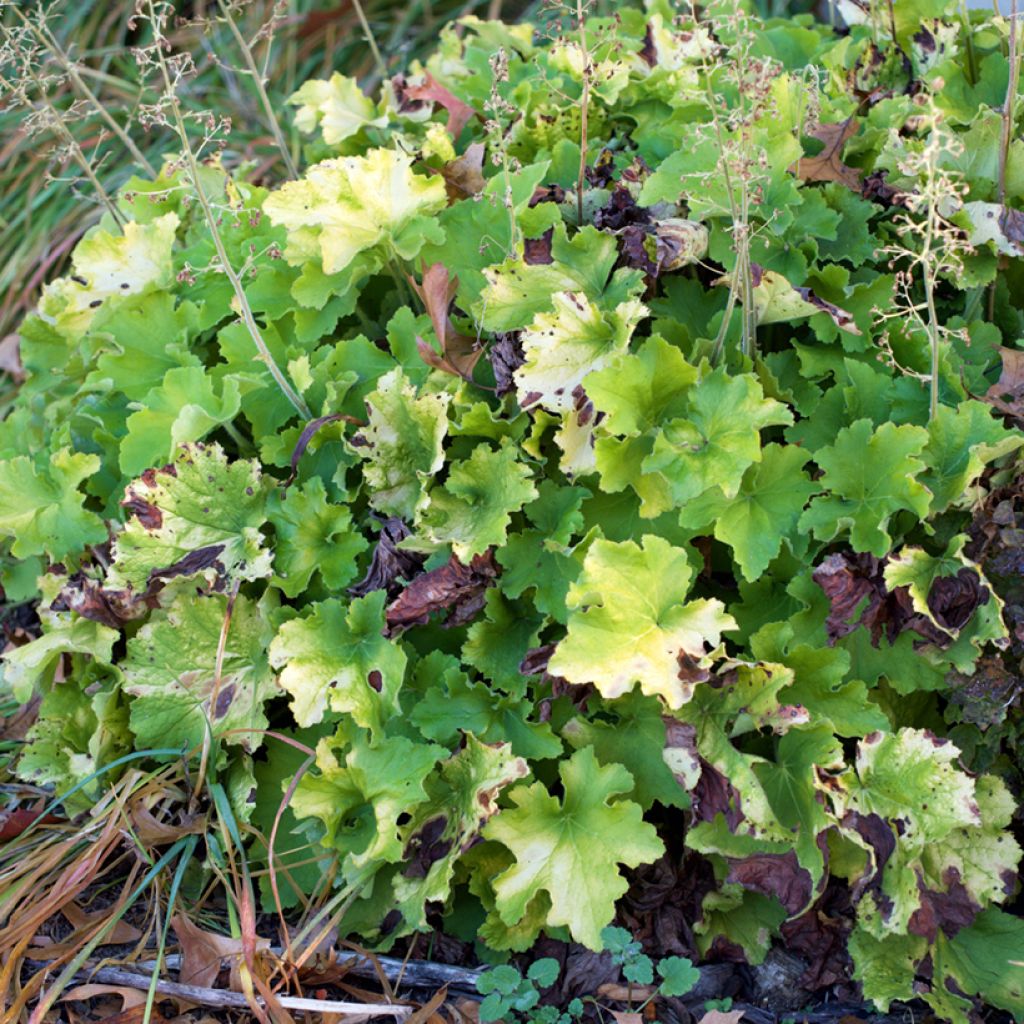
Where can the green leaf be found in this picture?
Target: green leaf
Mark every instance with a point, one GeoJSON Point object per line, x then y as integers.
{"type": "Point", "coordinates": [962, 441]}
{"type": "Point", "coordinates": [199, 515]}
{"type": "Point", "coordinates": [313, 535]}
{"type": "Point", "coordinates": [630, 622]}
{"type": "Point", "coordinates": [869, 475]}
{"type": "Point", "coordinates": [559, 842]}
{"type": "Point", "coordinates": [359, 793]}
{"type": "Point", "coordinates": [449, 703]}
{"type": "Point", "coordinates": [517, 291]}
{"type": "Point", "coordinates": [764, 512]}
{"type": "Point", "coordinates": [401, 445]}
{"type": "Point", "coordinates": [718, 438]}
{"type": "Point", "coordinates": [886, 968]}
{"type": "Point", "coordinates": [634, 736]}
{"type": "Point", "coordinates": [636, 392]}
{"type": "Point", "coordinates": [41, 507]}
{"type": "Point", "coordinates": [473, 510]}
{"type": "Point", "coordinates": [181, 691]}
{"type": "Point", "coordinates": [75, 734]}
{"type": "Point", "coordinates": [984, 959]}
{"type": "Point", "coordinates": [678, 976]}
{"type": "Point", "coordinates": [336, 658]}
{"type": "Point", "coordinates": [184, 407]}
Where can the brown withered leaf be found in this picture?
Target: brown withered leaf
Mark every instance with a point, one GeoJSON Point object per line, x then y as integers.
{"type": "Point", "coordinates": [722, 1017]}
{"type": "Point", "coordinates": [13, 823]}
{"type": "Point", "coordinates": [10, 358]}
{"type": "Point", "coordinates": [390, 566]}
{"type": "Point", "coordinates": [506, 356]}
{"type": "Point", "coordinates": [459, 352]}
{"type": "Point", "coordinates": [456, 588]}
{"type": "Point", "coordinates": [876, 189]}
{"type": "Point", "coordinates": [459, 113]}
{"type": "Point", "coordinates": [538, 250]}
{"type": "Point", "coordinates": [90, 920]}
{"type": "Point", "coordinates": [828, 164]}
{"type": "Point", "coordinates": [1007, 394]}
{"type": "Point", "coordinates": [110, 607]}
{"type": "Point", "coordinates": [463, 176]}
{"type": "Point", "coordinates": [820, 936]}
{"type": "Point", "coordinates": [205, 953]}
{"type": "Point", "coordinates": [775, 874]}
{"type": "Point", "coordinates": [949, 911]}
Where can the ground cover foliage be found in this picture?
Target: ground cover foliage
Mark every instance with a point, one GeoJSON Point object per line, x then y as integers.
{"type": "Point", "coordinates": [603, 456]}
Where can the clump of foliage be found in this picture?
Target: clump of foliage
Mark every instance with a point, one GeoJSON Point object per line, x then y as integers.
{"type": "Point", "coordinates": [598, 454]}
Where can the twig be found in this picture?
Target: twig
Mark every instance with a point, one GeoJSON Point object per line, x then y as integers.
{"type": "Point", "coordinates": [224, 999]}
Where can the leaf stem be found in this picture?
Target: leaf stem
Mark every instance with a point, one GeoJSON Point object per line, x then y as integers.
{"type": "Point", "coordinates": [264, 354]}
{"type": "Point", "coordinates": [257, 78]}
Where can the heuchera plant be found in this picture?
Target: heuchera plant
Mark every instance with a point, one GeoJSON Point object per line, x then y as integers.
{"type": "Point", "coordinates": [638, 523]}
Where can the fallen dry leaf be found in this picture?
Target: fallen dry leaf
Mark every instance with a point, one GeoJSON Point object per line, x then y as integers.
{"type": "Point", "coordinates": [828, 164]}
{"type": "Point", "coordinates": [81, 920]}
{"type": "Point", "coordinates": [1007, 394]}
{"type": "Point", "coordinates": [13, 823]}
{"type": "Point", "coordinates": [463, 176]}
{"type": "Point", "coordinates": [459, 352]}
{"type": "Point", "coordinates": [454, 587]}
{"type": "Point", "coordinates": [623, 993]}
{"type": "Point", "coordinates": [203, 954]}
{"type": "Point", "coordinates": [721, 1017]}
{"type": "Point", "coordinates": [621, 1017]}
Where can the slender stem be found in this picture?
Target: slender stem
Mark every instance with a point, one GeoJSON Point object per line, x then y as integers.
{"type": "Point", "coordinates": [257, 78]}
{"type": "Point", "coordinates": [218, 673]}
{"type": "Point", "coordinates": [584, 113]}
{"type": "Point", "coordinates": [933, 383]}
{"type": "Point", "coordinates": [1009, 118]}
{"type": "Point", "coordinates": [972, 62]}
{"type": "Point", "coordinates": [248, 319]}
{"type": "Point", "coordinates": [382, 68]}
{"type": "Point", "coordinates": [1009, 105]}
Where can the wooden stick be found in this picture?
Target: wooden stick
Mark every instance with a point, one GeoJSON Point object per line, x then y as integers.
{"type": "Point", "coordinates": [236, 1000]}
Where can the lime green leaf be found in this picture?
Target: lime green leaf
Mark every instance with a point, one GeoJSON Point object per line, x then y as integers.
{"type": "Point", "coordinates": [402, 444]}
{"type": "Point", "coordinates": [200, 514]}
{"type": "Point", "coordinates": [886, 968]}
{"type": "Point", "coordinates": [32, 666]}
{"type": "Point", "coordinates": [172, 670]}
{"type": "Point", "coordinates": [563, 346]}
{"type": "Point", "coordinates": [337, 106]}
{"type": "Point", "coordinates": [473, 510]}
{"type": "Point", "coordinates": [870, 475]}
{"type": "Point", "coordinates": [631, 622]}
{"type": "Point", "coordinates": [336, 658]}
{"type": "Point", "coordinates": [461, 797]}
{"type": "Point", "coordinates": [110, 266]}
{"type": "Point", "coordinates": [183, 408]}
{"type": "Point", "coordinates": [41, 507]}
{"type": "Point", "coordinates": [346, 206]}
{"type": "Point", "coordinates": [571, 848]}
{"type": "Point", "coordinates": [313, 536]}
